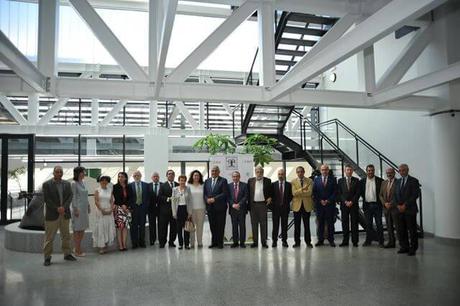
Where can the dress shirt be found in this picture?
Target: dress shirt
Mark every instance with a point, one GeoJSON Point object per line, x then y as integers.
{"type": "Point", "coordinates": [259, 191]}
{"type": "Point", "coordinates": [371, 191]}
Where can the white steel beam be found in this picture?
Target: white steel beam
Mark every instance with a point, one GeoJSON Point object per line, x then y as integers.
{"type": "Point", "coordinates": [201, 52]}
{"type": "Point", "coordinates": [13, 58]}
{"type": "Point", "coordinates": [304, 113]}
{"type": "Point", "coordinates": [154, 6]}
{"type": "Point", "coordinates": [9, 106]}
{"type": "Point", "coordinates": [430, 80]}
{"type": "Point", "coordinates": [406, 59]}
{"type": "Point", "coordinates": [183, 109]}
{"type": "Point", "coordinates": [369, 69]}
{"type": "Point", "coordinates": [153, 114]}
{"type": "Point", "coordinates": [94, 112]}
{"type": "Point", "coordinates": [33, 104]}
{"type": "Point", "coordinates": [165, 38]}
{"type": "Point", "coordinates": [386, 20]}
{"type": "Point", "coordinates": [173, 116]}
{"type": "Point", "coordinates": [48, 19]}
{"type": "Point", "coordinates": [53, 111]}
{"type": "Point", "coordinates": [108, 39]}
{"type": "Point", "coordinates": [266, 23]}
{"type": "Point", "coordinates": [115, 110]}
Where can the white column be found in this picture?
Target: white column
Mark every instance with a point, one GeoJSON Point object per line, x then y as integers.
{"type": "Point", "coordinates": [266, 20]}
{"type": "Point", "coordinates": [94, 112]}
{"type": "Point", "coordinates": [154, 7]}
{"type": "Point", "coordinates": [153, 115]}
{"type": "Point", "coordinates": [91, 146]}
{"type": "Point", "coordinates": [156, 152]}
{"type": "Point", "coordinates": [32, 109]}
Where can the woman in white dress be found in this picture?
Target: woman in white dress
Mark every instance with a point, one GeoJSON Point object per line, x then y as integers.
{"type": "Point", "coordinates": [195, 182]}
{"type": "Point", "coordinates": [104, 231]}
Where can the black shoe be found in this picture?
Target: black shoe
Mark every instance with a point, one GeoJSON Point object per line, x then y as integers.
{"type": "Point", "coordinates": [389, 246]}
{"type": "Point", "coordinates": [274, 245]}
{"type": "Point", "coordinates": [343, 244]}
{"type": "Point", "coordinates": [254, 245]}
{"type": "Point", "coordinates": [142, 246]}
{"type": "Point", "coordinates": [134, 246]}
{"type": "Point", "coordinates": [296, 245]}
{"type": "Point", "coordinates": [309, 245]}
{"type": "Point", "coordinates": [47, 262]}
{"type": "Point", "coordinates": [235, 245]}
{"type": "Point", "coordinates": [172, 245]}
{"type": "Point", "coordinates": [411, 253]}
{"type": "Point", "coordinates": [70, 258]}
{"type": "Point", "coordinates": [162, 246]}
{"type": "Point", "coordinates": [187, 247]}
{"type": "Point", "coordinates": [319, 243]}
{"type": "Point", "coordinates": [285, 244]}
{"type": "Point", "coordinates": [366, 243]}
{"type": "Point", "coordinates": [265, 246]}
{"type": "Point", "coordinates": [403, 251]}
{"type": "Point", "coordinates": [355, 245]}
{"type": "Point", "coordinates": [332, 244]}
{"type": "Point", "coordinates": [243, 246]}
{"type": "Point", "coordinates": [212, 246]}
{"type": "Point", "coordinates": [181, 247]}
{"type": "Point", "coordinates": [220, 246]}
{"type": "Point", "coordinates": [152, 242]}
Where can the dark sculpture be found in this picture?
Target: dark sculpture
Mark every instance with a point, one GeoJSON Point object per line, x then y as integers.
{"type": "Point", "coordinates": [34, 218]}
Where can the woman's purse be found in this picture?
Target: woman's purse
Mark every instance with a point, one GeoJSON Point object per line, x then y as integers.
{"type": "Point", "coordinates": [189, 226]}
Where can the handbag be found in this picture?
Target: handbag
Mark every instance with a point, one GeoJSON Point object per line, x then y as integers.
{"type": "Point", "coordinates": [189, 226]}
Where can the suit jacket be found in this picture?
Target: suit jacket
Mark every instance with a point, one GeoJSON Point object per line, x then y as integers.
{"type": "Point", "coordinates": [145, 196]}
{"type": "Point", "coordinates": [328, 192]}
{"type": "Point", "coordinates": [188, 200]}
{"type": "Point", "coordinates": [345, 194]}
{"type": "Point", "coordinates": [119, 199]}
{"type": "Point", "coordinates": [241, 198]}
{"type": "Point", "coordinates": [408, 194]}
{"type": "Point", "coordinates": [154, 198]}
{"type": "Point", "coordinates": [267, 183]}
{"type": "Point", "coordinates": [287, 197]}
{"type": "Point", "coordinates": [52, 200]}
{"type": "Point", "coordinates": [378, 184]}
{"type": "Point", "coordinates": [302, 196]}
{"type": "Point", "coordinates": [164, 206]}
{"type": "Point", "coordinates": [387, 196]}
{"type": "Point", "coordinates": [219, 193]}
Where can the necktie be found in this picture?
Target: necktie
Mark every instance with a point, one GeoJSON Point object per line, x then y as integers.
{"type": "Point", "coordinates": [138, 194]}
{"type": "Point", "coordinates": [348, 183]}
{"type": "Point", "coordinates": [213, 183]}
{"type": "Point", "coordinates": [403, 183]}
{"type": "Point", "coordinates": [235, 194]}
{"type": "Point", "coordinates": [282, 193]}
{"type": "Point", "coordinates": [301, 182]}
{"type": "Point", "coordinates": [156, 189]}
{"type": "Point", "coordinates": [171, 184]}
{"type": "Point", "coordinates": [324, 181]}
{"type": "Point", "coordinates": [390, 183]}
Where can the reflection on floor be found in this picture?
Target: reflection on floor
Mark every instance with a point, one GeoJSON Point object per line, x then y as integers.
{"type": "Point", "coordinates": [153, 276]}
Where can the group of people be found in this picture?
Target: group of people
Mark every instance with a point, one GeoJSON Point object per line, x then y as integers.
{"type": "Point", "coordinates": [180, 207]}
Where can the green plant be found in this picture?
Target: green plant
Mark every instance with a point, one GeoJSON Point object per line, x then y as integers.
{"type": "Point", "coordinates": [16, 173]}
{"type": "Point", "coordinates": [261, 147]}
{"type": "Point", "coordinates": [216, 143]}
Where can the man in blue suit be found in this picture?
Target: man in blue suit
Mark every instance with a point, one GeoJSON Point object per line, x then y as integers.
{"type": "Point", "coordinates": [215, 197]}
{"type": "Point", "coordinates": [139, 206]}
{"type": "Point", "coordinates": [324, 193]}
{"type": "Point", "coordinates": [238, 208]}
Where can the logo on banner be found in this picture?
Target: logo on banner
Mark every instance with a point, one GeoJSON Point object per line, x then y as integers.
{"type": "Point", "coordinates": [232, 163]}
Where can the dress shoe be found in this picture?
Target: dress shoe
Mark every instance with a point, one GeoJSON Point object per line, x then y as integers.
{"type": "Point", "coordinates": [366, 243]}
{"type": "Point", "coordinates": [162, 246]}
{"type": "Point", "coordinates": [243, 246]}
{"type": "Point", "coordinates": [265, 246]}
{"type": "Point", "coordinates": [212, 246]}
{"type": "Point", "coordinates": [69, 258]}
{"type": "Point", "coordinates": [296, 245]}
{"type": "Point", "coordinates": [332, 244]}
{"type": "Point", "coordinates": [274, 245]}
{"type": "Point", "coordinates": [142, 246]}
{"type": "Point", "coordinates": [285, 244]}
{"type": "Point", "coordinates": [403, 251]}
{"type": "Point", "coordinates": [152, 243]}
{"type": "Point", "coordinates": [235, 245]}
{"type": "Point", "coordinates": [254, 245]}
{"type": "Point", "coordinates": [134, 246]}
{"type": "Point", "coordinates": [319, 243]}
{"type": "Point", "coordinates": [343, 244]}
{"type": "Point", "coordinates": [411, 253]}
{"type": "Point", "coordinates": [355, 245]}
{"type": "Point", "coordinates": [309, 245]}
{"type": "Point", "coordinates": [47, 262]}
{"type": "Point", "coordinates": [187, 247]}
{"type": "Point", "coordinates": [389, 246]}
{"type": "Point", "coordinates": [172, 245]}
{"type": "Point", "coordinates": [181, 247]}
{"type": "Point", "coordinates": [200, 246]}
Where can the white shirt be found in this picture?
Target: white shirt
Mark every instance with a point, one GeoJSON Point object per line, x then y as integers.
{"type": "Point", "coordinates": [371, 193]}
{"type": "Point", "coordinates": [259, 191]}
{"type": "Point", "coordinates": [197, 196]}
{"type": "Point", "coordinates": [181, 197]}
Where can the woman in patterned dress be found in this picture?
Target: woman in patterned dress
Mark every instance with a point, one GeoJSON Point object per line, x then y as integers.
{"type": "Point", "coordinates": [121, 194]}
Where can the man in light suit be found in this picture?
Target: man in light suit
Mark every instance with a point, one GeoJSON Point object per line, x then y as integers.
{"type": "Point", "coordinates": [324, 197]}
{"type": "Point", "coordinates": [390, 210]}
{"type": "Point", "coordinates": [348, 195]}
{"type": "Point", "coordinates": [165, 217]}
{"type": "Point", "coordinates": [282, 197]}
{"type": "Point", "coordinates": [153, 207]}
{"type": "Point", "coordinates": [238, 208]}
{"type": "Point", "coordinates": [260, 196]}
{"type": "Point", "coordinates": [215, 197]}
{"type": "Point", "coordinates": [372, 207]}
{"type": "Point", "coordinates": [406, 194]}
{"type": "Point", "coordinates": [302, 205]}
{"type": "Point", "coordinates": [57, 195]}
{"type": "Point", "coordinates": [139, 206]}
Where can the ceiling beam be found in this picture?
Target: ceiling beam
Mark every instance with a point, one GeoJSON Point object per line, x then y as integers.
{"type": "Point", "coordinates": [48, 19]}
{"type": "Point", "coordinates": [9, 106]}
{"type": "Point", "coordinates": [386, 20]}
{"type": "Point", "coordinates": [185, 112]}
{"type": "Point", "coordinates": [18, 62]}
{"type": "Point", "coordinates": [266, 20]}
{"type": "Point", "coordinates": [108, 39]}
{"type": "Point", "coordinates": [113, 112]}
{"type": "Point", "coordinates": [53, 111]}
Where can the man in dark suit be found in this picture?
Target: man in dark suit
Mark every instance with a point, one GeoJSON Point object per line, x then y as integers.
{"type": "Point", "coordinates": [260, 196]}
{"type": "Point", "coordinates": [153, 207]}
{"type": "Point", "coordinates": [165, 216]}
{"type": "Point", "coordinates": [324, 196]}
{"type": "Point", "coordinates": [348, 195]}
{"type": "Point", "coordinates": [387, 192]}
{"type": "Point", "coordinates": [372, 207]}
{"type": "Point", "coordinates": [406, 194]}
{"type": "Point", "coordinates": [238, 208]}
{"type": "Point", "coordinates": [139, 206]}
{"type": "Point", "coordinates": [282, 197]}
{"type": "Point", "coordinates": [57, 195]}
{"type": "Point", "coordinates": [215, 197]}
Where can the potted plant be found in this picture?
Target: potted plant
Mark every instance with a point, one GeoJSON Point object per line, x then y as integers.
{"type": "Point", "coordinates": [216, 143]}
{"type": "Point", "coordinates": [261, 147]}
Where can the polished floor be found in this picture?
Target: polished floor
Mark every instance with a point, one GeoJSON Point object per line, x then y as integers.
{"type": "Point", "coordinates": [153, 276]}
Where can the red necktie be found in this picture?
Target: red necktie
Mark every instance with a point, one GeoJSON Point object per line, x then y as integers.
{"type": "Point", "coordinates": [235, 195]}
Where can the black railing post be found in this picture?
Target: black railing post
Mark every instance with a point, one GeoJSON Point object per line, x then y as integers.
{"type": "Point", "coordinates": [321, 149]}
{"type": "Point", "coordinates": [337, 133]}
{"type": "Point", "coordinates": [381, 166]}
{"type": "Point", "coordinates": [357, 152]}
{"type": "Point", "coordinates": [233, 124]}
